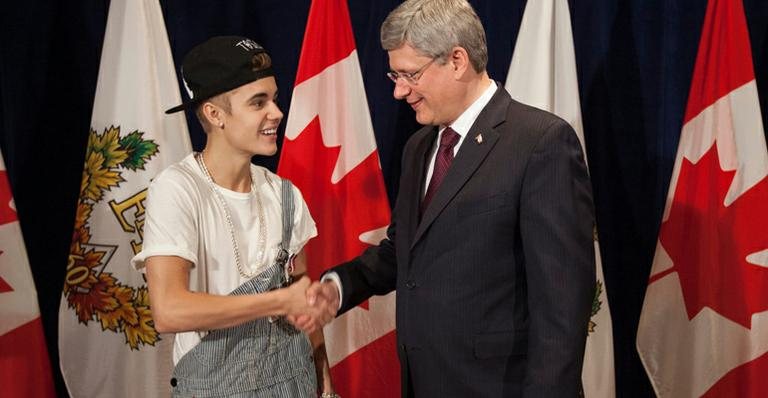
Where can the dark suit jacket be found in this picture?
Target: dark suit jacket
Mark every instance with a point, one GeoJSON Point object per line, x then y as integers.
{"type": "Point", "coordinates": [495, 281]}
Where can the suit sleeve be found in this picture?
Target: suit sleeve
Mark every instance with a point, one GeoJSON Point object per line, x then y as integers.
{"type": "Point", "coordinates": [375, 271]}
{"type": "Point", "coordinates": [372, 273]}
{"type": "Point", "coordinates": [556, 230]}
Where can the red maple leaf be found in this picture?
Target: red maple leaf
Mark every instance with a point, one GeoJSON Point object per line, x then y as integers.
{"type": "Point", "coordinates": [709, 242]}
{"type": "Point", "coordinates": [342, 211]}
{"type": "Point", "coordinates": [7, 214]}
{"type": "Point", "coordinates": [4, 286]}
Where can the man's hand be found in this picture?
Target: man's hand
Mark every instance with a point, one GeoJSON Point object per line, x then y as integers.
{"type": "Point", "coordinates": [320, 306]}
{"type": "Point", "coordinates": [325, 295]}
{"type": "Point", "coordinates": [317, 306]}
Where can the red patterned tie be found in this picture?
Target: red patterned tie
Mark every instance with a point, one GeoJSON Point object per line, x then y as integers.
{"type": "Point", "coordinates": [443, 159]}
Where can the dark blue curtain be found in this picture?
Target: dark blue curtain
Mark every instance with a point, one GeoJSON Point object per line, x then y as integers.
{"type": "Point", "coordinates": [635, 59]}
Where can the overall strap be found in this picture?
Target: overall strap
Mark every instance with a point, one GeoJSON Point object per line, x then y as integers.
{"type": "Point", "coordinates": [288, 210]}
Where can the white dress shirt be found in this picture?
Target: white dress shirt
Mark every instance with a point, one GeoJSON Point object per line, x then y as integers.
{"type": "Point", "coordinates": [461, 126]}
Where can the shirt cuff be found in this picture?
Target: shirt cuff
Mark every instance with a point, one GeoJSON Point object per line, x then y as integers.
{"type": "Point", "coordinates": [334, 277]}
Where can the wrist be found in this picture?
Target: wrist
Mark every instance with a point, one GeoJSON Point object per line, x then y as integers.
{"type": "Point", "coordinates": [283, 302]}
{"type": "Point", "coordinates": [334, 288]}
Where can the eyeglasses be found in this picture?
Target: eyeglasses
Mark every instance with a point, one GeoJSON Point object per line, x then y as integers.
{"type": "Point", "coordinates": [410, 77]}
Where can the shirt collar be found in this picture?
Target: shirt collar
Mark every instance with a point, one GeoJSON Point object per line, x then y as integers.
{"type": "Point", "coordinates": [465, 121]}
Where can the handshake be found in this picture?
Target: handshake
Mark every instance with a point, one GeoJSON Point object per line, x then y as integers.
{"type": "Point", "coordinates": [310, 305]}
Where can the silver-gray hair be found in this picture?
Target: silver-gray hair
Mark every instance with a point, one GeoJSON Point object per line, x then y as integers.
{"type": "Point", "coordinates": [434, 27]}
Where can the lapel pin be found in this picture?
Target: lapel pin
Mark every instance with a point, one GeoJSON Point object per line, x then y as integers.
{"type": "Point", "coordinates": [479, 138]}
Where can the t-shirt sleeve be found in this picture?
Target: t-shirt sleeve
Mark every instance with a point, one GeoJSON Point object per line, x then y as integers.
{"type": "Point", "coordinates": [304, 227]}
{"type": "Point", "coordinates": [170, 223]}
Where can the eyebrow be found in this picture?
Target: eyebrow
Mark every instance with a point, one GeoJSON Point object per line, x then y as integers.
{"type": "Point", "coordinates": [260, 96]}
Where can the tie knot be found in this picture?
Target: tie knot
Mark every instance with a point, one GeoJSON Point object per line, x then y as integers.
{"type": "Point", "coordinates": [448, 138]}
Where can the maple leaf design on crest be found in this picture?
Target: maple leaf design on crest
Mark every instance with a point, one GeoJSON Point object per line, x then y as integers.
{"type": "Point", "coordinates": [342, 211]}
{"type": "Point", "coordinates": [142, 329]}
{"type": "Point", "coordinates": [93, 293]}
{"type": "Point", "coordinates": [596, 305]}
{"type": "Point", "coordinates": [709, 242]}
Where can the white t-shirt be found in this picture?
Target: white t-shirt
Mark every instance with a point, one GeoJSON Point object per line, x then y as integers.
{"type": "Point", "coordinates": [184, 218]}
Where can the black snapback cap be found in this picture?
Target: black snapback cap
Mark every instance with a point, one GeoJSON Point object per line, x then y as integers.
{"type": "Point", "coordinates": [218, 65]}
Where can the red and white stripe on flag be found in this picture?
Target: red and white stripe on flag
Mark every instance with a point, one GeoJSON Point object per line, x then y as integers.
{"type": "Point", "coordinates": [25, 370]}
{"type": "Point", "coordinates": [329, 152]}
{"type": "Point", "coordinates": [705, 317]}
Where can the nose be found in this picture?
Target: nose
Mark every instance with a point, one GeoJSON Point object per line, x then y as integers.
{"type": "Point", "coordinates": [274, 112]}
{"type": "Point", "coordinates": [402, 89]}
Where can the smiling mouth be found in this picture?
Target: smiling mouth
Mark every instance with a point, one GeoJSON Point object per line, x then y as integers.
{"type": "Point", "coordinates": [268, 132]}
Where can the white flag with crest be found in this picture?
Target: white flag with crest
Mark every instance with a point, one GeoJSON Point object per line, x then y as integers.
{"type": "Point", "coordinates": [107, 341]}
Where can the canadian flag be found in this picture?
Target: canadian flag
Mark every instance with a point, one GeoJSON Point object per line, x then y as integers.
{"type": "Point", "coordinates": [704, 324]}
{"type": "Point", "coordinates": [25, 370]}
{"type": "Point", "coordinates": [329, 152]}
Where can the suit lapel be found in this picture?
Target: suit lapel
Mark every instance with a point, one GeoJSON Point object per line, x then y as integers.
{"type": "Point", "coordinates": [470, 156]}
{"type": "Point", "coordinates": [415, 189]}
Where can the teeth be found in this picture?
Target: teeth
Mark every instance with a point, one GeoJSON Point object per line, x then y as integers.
{"type": "Point", "coordinates": [269, 131]}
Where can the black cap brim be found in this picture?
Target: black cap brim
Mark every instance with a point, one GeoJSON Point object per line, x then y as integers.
{"type": "Point", "coordinates": [183, 106]}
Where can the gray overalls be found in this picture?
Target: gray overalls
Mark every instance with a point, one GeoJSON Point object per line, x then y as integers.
{"type": "Point", "coordinates": [260, 358]}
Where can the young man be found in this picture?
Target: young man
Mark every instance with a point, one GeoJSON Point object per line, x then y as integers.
{"type": "Point", "coordinates": [490, 246]}
{"type": "Point", "coordinates": [223, 239]}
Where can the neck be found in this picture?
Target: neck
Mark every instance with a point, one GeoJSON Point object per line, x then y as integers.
{"type": "Point", "coordinates": [472, 90]}
{"type": "Point", "coordinates": [233, 173]}
{"type": "Point", "coordinates": [476, 88]}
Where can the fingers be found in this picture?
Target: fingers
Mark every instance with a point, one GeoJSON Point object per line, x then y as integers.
{"type": "Point", "coordinates": [324, 297]}
{"type": "Point", "coordinates": [326, 291]}
{"type": "Point", "coordinates": [312, 293]}
{"type": "Point", "coordinates": [319, 307]}
{"type": "Point", "coordinates": [302, 322]}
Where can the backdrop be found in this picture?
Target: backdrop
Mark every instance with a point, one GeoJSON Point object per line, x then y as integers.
{"type": "Point", "coordinates": [634, 58]}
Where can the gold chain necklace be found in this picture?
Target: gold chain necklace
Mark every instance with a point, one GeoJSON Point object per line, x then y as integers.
{"type": "Point", "coordinates": [262, 239]}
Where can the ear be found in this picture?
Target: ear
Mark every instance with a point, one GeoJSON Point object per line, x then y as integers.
{"type": "Point", "coordinates": [212, 114]}
{"type": "Point", "coordinates": [459, 59]}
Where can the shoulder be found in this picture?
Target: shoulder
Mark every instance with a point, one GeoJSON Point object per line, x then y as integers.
{"type": "Point", "coordinates": [263, 175]}
{"type": "Point", "coordinates": [182, 169]}
{"type": "Point", "coordinates": [507, 114]}
{"type": "Point", "coordinates": [178, 177]}
{"type": "Point", "coordinates": [532, 118]}
{"type": "Point", "coordinates": [274, 181]}
{"type": "Point", "coordinates": [535, 126]}
{"type": "Point", "coordinates": [543, 133]}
